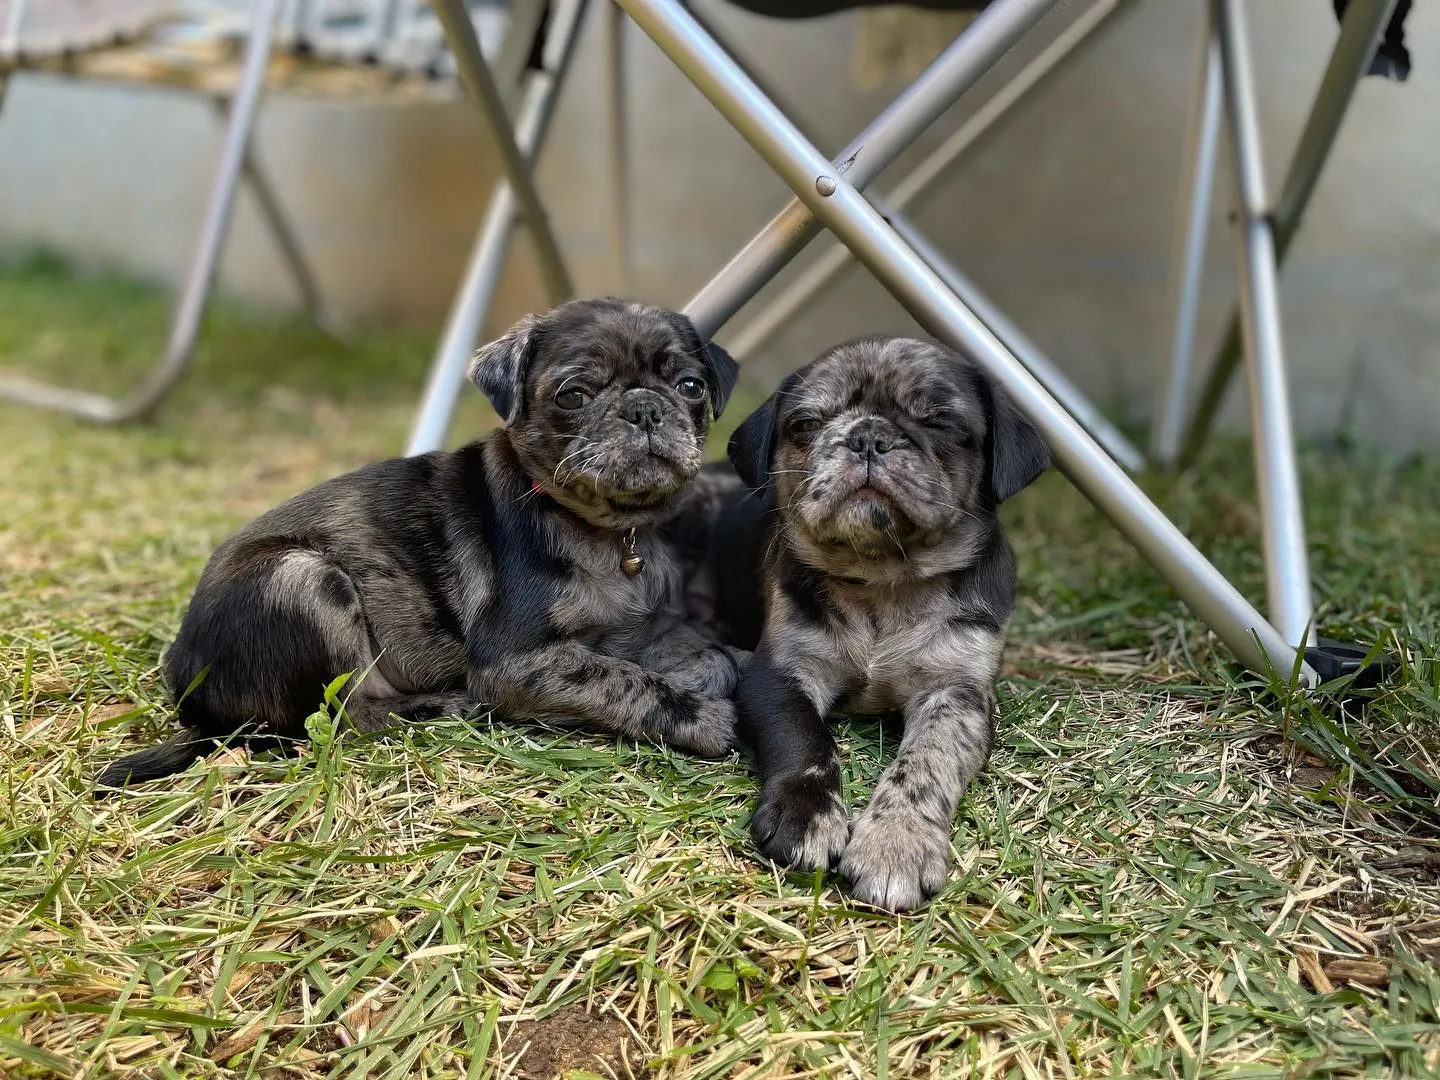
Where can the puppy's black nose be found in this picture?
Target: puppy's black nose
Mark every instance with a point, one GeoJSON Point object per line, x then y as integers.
{"type": "Point", "coordinates": [867, 442]}
{"type": "Point", "coordinates": [643, 412]}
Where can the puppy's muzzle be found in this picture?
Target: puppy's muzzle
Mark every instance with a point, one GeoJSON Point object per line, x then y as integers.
{"type": "Point", "coordinates": [870, 439]}
{"type": "Point", "coordinates": [645, 409]}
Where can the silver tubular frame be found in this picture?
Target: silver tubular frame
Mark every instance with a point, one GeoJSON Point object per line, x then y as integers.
{"type": "Point", "coordinates": [990, 35]}
{"type": "Point", "coordinates": [186, 326]}
{"type": "Point", "coordinates": [475, 75]}
{"type": "Point", "coordinates": [827, 193]}
{"type": "Point", "coordinates": [1197, 179]}
{"type": "Point", "coordinates": [619, 117]}
{"type": "Point", "coordinates": [275, 218]}
{"type": "Point", "coordinates": [1277, 475]}
{"type": "Point", "coordinates": [1360, 32]}
{"type": "Point", "coordinates": [487, 259]}
{"type": "Point", "coordinates": [1068, 45]}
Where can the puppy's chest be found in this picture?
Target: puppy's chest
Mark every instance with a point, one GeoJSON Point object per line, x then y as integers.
{"type": "Point", "coordinates": [598, 599]}
{"type": "Point", "coordinates": [872, 658]}
{"type": "Point", "coordinates": [880, 656]}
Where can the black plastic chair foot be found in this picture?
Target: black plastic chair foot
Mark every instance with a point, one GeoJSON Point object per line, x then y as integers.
{"type": "Point", "coordinates": [1334, 659]}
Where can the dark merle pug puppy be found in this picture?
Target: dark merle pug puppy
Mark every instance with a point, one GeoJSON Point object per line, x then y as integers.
{"type": "Point", "coordinates": [528, 571]}
{"type": "Point", "coordinates": [887, 586]}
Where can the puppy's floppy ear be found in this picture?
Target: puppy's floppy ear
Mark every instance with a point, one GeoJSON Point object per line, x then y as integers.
{"type": "Point", "coordinates": [752, 446]}
{"type": "Point", "coordinates": [720, 366]}
{"type": "Point", "coordinates": [499, 368]}
{"type": "Point", "coordinates": [723, 371]}
{"type": "Point", "coordinates": [1017, 453]}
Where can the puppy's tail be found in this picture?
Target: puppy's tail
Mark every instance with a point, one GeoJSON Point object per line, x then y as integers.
{"type": "Point", "coordinates": [172, 756]}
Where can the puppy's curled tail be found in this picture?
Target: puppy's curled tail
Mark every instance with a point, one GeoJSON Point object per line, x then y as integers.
{"type": "Point", "coordinates": [172, 756]}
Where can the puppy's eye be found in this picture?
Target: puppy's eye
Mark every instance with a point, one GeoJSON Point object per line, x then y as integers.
{"type": "Point", "coordinates": [691, 389]}
{"type": "Point", "coordinates": [804, 425]}
{"type": "Point", "coordinates": [571, 399]}
{"type": "Point", "coordinates": [944, 420]}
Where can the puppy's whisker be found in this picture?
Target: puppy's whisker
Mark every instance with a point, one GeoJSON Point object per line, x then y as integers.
{"type": "Point", "coordinates": [586, 444]}
{"type": "Point", "coordinates": [889, 534]}
{"type": "Point", "coordinates": [577, 471]}
{"type": "Point", "coordinates": [962, 511]}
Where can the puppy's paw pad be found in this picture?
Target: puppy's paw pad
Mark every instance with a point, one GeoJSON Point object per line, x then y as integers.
{"type": "Point", "coordinates": [801, 823]}
{"type": "Point", "coordinates": [895, 861]}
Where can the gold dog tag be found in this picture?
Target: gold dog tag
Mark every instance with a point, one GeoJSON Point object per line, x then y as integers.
{"type": "Point", "coordinates": [632, 562]}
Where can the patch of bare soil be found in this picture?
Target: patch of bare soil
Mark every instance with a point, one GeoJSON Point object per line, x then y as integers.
{"type": "Point", "coordinates": [573, 1039]}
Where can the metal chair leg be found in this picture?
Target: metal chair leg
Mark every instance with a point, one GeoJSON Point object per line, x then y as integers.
{"type": "Point", "coordinates": [1287, 564]}
{"type": "Point", "coordinates": [10, 32]}
{"type": "Point", "coordinates": [1361, 29]}
{"type": "Point", "coordinates": [492, 242]}
{"type": "Point", "coordinates": [475, 74]}
{"type": "Point", "coordinates": [1188, 266]}
{"type": "Point", "coordinates": [620, 226]}
{"type": "Point", "coordinates": [278, 222]}
{"type": "Point", "coordinates": [828, 193]}
{"type": "Point", "coordinates": [186, 325]}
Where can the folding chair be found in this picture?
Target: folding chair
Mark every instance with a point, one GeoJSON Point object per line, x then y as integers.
{"type": "Point", "coordinates": [1265, 237]}
{"type": "Point", "coordinates": [528, 45]}
{"type": "Point", "coordinates": [938, 297]}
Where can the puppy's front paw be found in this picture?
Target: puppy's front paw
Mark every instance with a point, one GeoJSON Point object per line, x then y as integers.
{"type": "Point", "coordinates": [800, 822]}
{"type": "Point", "coordinates": [895, 860]}
{"type": "Point", "coordinates": [740, 656]}
{"type": "Point", "coordinates": [711, 731]}
{"type": "Point", "coordinates": [712, 674]}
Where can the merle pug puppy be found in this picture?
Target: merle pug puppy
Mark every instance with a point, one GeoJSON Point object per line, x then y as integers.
{"type": "Point", "coordinates": [887, 586]}
{"type": "Point", "coordinates": [527, 571]}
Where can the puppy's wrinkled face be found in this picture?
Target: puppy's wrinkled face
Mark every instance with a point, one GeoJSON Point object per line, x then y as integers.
{"type": "Point", "coordinates": [608, 404]}
{"type": "Point", "coordinates": [879, 450]}
{"type": "Point", "coordinates": [886, 457]}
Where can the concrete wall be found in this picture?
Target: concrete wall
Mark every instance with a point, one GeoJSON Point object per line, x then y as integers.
{"type": "Point", "coordinates": [1064, 218]}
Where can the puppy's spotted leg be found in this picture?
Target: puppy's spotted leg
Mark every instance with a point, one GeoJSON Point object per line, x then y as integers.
{"type": "Point", "coordinates": [567, 682]}
{"type": "Point", "coordinates": [899, 850]}
{"type": "Point", "coordinates": [800, 820]}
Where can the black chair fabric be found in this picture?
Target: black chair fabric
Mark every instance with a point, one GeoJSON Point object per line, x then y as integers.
{"type": "Point", "coordinates": [1391, 60]}
{"type": "Point", "coordinates": [809, 9]}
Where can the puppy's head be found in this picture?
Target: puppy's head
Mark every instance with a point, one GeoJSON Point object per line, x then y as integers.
{"type": "Point", "coordinates": [607, 404]}
{"type": "Point", "coordinates": [886, 457]}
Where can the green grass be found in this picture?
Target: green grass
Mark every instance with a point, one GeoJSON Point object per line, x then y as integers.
{"type": "Point", "coordinates": [1164, 871]}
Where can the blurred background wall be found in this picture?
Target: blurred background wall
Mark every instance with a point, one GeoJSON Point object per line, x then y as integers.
{"type": "Point", "coordinates": [1065, 217]}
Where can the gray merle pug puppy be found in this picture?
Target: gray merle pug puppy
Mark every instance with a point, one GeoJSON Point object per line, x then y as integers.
{"type": "Point", "coordinates": [528, 571]}
{"type": "Point", "coordinates": [887, 586]}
